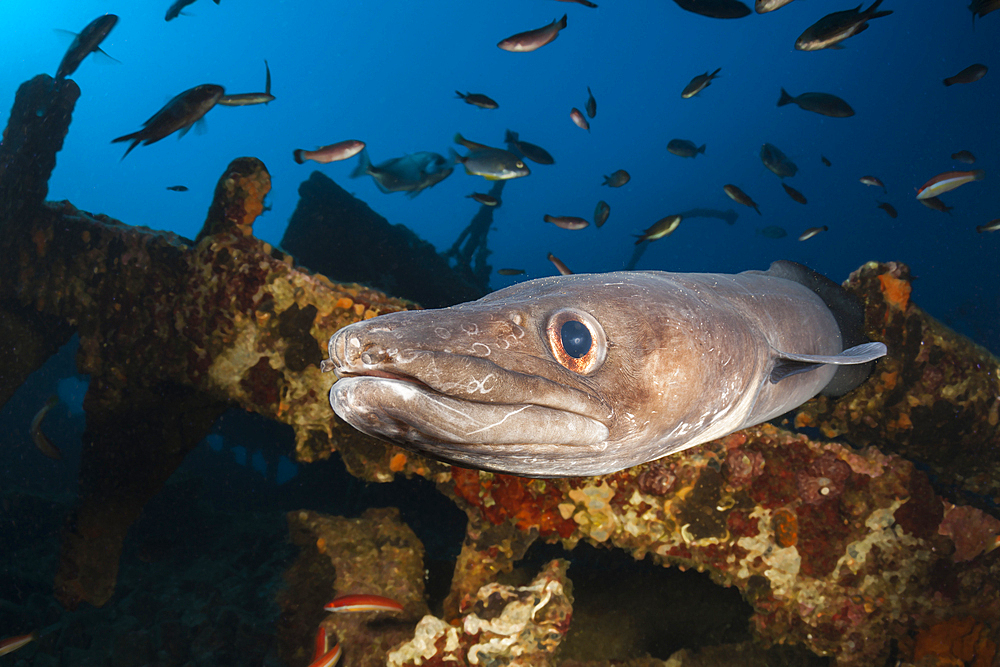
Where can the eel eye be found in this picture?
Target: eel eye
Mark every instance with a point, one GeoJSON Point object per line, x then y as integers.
{"type": "Point", "coordinates": [577, 340]}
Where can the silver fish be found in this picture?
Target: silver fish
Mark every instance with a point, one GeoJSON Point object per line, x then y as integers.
{"type": "Point", "coordinates": [248, 99]}
{"type": "Point", "coordinates": [764, 6]}
{"type": "Point", "coordinates": [411, 173]}
{"type": "Point", "coordinates": [592, 373]}
{"type": "Point", "coordinates": [530, 40]}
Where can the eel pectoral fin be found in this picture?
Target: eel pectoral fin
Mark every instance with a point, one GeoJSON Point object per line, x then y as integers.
{"type": "Point", "coordinates": [789, 364]}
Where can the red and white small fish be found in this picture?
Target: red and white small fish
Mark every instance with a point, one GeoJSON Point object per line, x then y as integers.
{"type": "Point", "coordinates": [341, 150]}
{"type": "Point", "coordinates": [949, 180]}
{"type": "Point", "coordinates": [11, 644]}
{"type": "Point", "coordinates": [362, 602]}
{"type": "Point", "coordinates": [322, 644]}
{"type": "Point", "coordinates": [328, 659]}
{"type": "Point", "coordinates": [872, 180]}
{"type": "Point", "coordinates": [530, 40]}
{"type": "Point", "coordinates": [577, 117]}
{"type": "Point", "coordinates": [567, 221]}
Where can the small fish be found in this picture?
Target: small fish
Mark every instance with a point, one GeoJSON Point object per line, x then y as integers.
{"type": "Point", "coordinates": [811, 232]}
{"type": "Point", "coordinates": [935, 203]}
{"type": "Point", "coordinates": [967, 75]}
{"type": "Point", "coordinates": [560, 267]}
{"type": "Point", "coordinates": [888, 208]}
{"type": "Point", "coordinates": [949, 180]}
{"type": "Point", "coordinates": [484, 199]}
{"type": "Point", "coordinates": [601, 213]}
{"type": "Point", "coordinates": [530, 40]}
{"type": "Point", "coordinates": [493, 164]}
{"type": "Point", "coordinates": [321, 644]}
{"type": "Point", "coordinates": [567, 221]}
{"type": "Point", "coordinates": [11, 644]}
{"type": "Point", "coordinates": [341, 150]}
{"type": "Point", "coordinates": [180, 113]}
{"type": "Point", "coordinates": [175, 9]}
{"type": "Point", "coordinates": [991, 226]}
{"type": "Point", "coordinates": [585, 3]}
{"type": "Point", "coordinates": [764, 6]}
{"type": "Point", "coordinates": [88, 41]}
{"type": "Point", "coordinates": [964, 156]}
{"type": "Point", "coordinates": [178, 188]}
{"type": "Point", "coordinates": [774, 232]}
{"type": "Point", "coordinates": [328, 659]}
{"type": "Point", "coordinates": [511, 272]}
{"type": "Point", "coordinates": [661, 228]}
{"type": "Point", "coordinates": [873, 180]}
{"type": "Point", "coordinates": [825, 160]}
{"type": "Point", "coordinates": [617, 179]}
{"type": "Point", "coordinates": [829, 31]}
{"type": "Point", "coordinates": [249, 99]}
{"type": "Point", "coordinates": [529, 150]}
{"type": "Point", "coordinates": [44, 445]}
{"type": "Point", "coordinates": [777, 162]}
{"type": "Point", "coordinates": [685, 148]}
{"type": "Point", "coordinates": [699, 83]}
{"type": "Point", "coordinates": [740, 197]}
{"type": "Point", "coordinates": [591, 104]}
{"type": "Point", "coordinates": [981, 8]}
{"type": "Point", "coordinates": [362, 602]}
{"type": "Point", "coordinates": [578, 119]}
{"type": "Point", "coordinates": [478, 100]}
{"type": "Point", "coordinates": [716, 9]}
{"type": "Point", "coordinates": [794, 194]}
{"type": "Point", "coordinates": [822, 103]}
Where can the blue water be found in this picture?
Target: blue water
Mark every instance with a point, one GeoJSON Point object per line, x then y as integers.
{"type": "Point", "coordinates": [386, 73]}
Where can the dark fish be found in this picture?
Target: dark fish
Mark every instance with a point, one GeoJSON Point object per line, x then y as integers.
{"type": "Point", "coordinates": [578, 119]}
{"type": "Point", "coordinates": [530, 40]}
{"type": "Point", "coordinates": [715, 9]}
{"type": "Point", "coordinates": [825, 161]}
{"type": "Point", "coordinates": [479, 100]}
{"type": "Point", "coordinates": [874, 181]}
{"type": "Point", "coordinates": [812, 231]}
{"type": "Point", "coordinates": [935, 203]}
{"type": "Point", "coordinates": [248, 99]}
{"type": "Point", "coordinates": [175, 9]}
{"type": "Point", "coordinates": [794, 194]}
{"type": "Point", "coordinates": [964, 156]}
{"type": "Point", "coordinates": [180, 113]}
{"type": "Point", "coordinates": [821, 103]}
{"type": "Point", "coordinates": [949, 180]}
{"type": "Point", "coordinates": [685, 148]}
{"type": "Point", "coordinates": [44, 445]}
{"type": "Point", "coordinates": [774, 232]}
{"type": "Point", "coordinates": [341, 150]}
{"type": "Point", "coordinates": [411, 173]}
{"type": "Point", "coordinates": [178, 188]}
{"type": "Point", "coordinates": [740, 197]}
{"type": "Point", "coordinates": [484, 199]}
{"type": "Point", "coordinates": [777, 162]}
{"type": "Point", "coordinates": [888, 208]}
{"type": "Point", "coordinates": [601, 213]}
{"type": "Point", "coordinates": [591, 107]}
{"type": "Point", "coordinates": [511, 272]}
{"type": "Point", "coordinates": [567, 221]}
{"type": "Point", "coordinates": [764, 6]}
{"type": "Point", "coordinates": [968, 75]}
{"type": "Point", "coordinates": [560, 267]}
{"type": "Point", "coordinates": [834, 28]}
{"type": "Point", "coordinates": [529, 150]}
{"type": "Point", "coordinates": [617, 179]}
{"type": "Point", "coordinates": [88, 41]}
{"type": "Point", "coordinates": [660, 229]}
{"type": "Point", "coordinates": [585, 3]}
{"type": "Point", "coordinates": [699, 83]}
{"type": "Point", "coordinates": [991, 226]}
{"type": "Point", "coordinates": [589, 374]}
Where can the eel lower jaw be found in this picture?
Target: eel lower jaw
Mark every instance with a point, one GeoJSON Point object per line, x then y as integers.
{"type": "Point", "coordinates": [403, 409]}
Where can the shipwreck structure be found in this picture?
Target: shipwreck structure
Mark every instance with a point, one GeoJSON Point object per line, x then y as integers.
{"type": "Point", "coordinates": [877, 534]}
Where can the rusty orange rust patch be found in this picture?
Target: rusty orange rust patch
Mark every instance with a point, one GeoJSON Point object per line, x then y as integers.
{"type": "Point", "coordinates": [786, 528]}
{"type": "Point", "coordinates": [397, 462]}
{"type": "Point", "coordinates": [897, 291]}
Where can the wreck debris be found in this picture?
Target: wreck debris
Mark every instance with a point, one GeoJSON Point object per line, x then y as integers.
{"type": "Point", "coordinates": [502, 625]}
